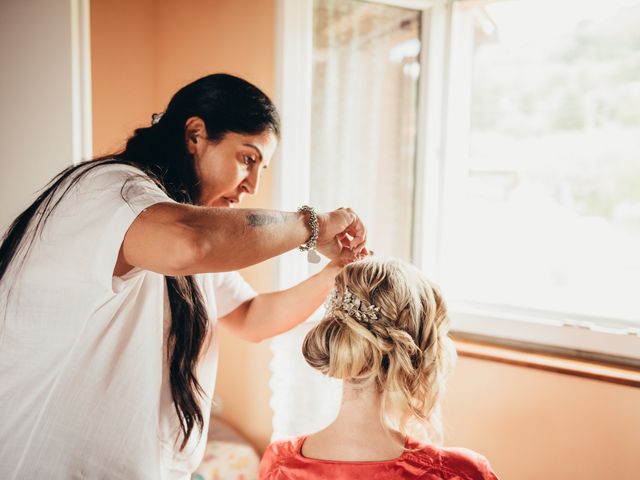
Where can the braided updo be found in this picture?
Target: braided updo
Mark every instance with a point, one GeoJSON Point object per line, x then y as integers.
{"type": "Point", "coordinates": [406, 351]}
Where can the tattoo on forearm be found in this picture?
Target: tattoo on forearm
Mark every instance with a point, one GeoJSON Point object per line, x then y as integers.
{"type": "Point", "coordinates": [262, 219]}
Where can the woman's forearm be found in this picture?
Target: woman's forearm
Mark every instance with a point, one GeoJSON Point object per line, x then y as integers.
{"type": "Point", "coordinates": [270, 314]}
{"type": "Point", "coordinates": [231, 239]}
{"type": "Point", "coordinates": [177, 239]}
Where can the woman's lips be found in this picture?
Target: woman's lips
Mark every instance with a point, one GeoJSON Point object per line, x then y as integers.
{"type": "Point", "coordinates": [223, 202]}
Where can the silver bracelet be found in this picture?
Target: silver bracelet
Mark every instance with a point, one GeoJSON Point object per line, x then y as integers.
{"type": "Point", "coordinates": [310, 245]}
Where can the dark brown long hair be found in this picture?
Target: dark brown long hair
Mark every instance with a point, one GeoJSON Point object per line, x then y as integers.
{"type": "Point", "coordinates": [226, 104]}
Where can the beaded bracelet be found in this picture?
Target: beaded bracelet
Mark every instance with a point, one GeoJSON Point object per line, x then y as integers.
{"type": "Point", "coordinates": [310, 245]}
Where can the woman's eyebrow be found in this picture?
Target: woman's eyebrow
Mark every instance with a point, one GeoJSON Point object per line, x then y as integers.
{"type": "Point", "coordinates": [255, 148]}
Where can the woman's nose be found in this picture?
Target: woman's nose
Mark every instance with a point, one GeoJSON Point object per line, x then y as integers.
{"type": "Point", "coordinates": [251, 183]}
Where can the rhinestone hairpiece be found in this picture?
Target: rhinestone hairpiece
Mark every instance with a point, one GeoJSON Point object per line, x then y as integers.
{"type": "Point", "coordinates": [155, 118]}
{"type": "Point", "coordinates": [350, 304]}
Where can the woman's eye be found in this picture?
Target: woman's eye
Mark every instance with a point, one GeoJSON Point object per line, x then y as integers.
{"type": "Point", "coordinates": [248, 160]}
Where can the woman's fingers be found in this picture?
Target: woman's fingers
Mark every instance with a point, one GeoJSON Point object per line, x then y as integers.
{"type": "Point", "coordinates": [357, 231]}
{"type": "Point", "coordinates": [346, 227]}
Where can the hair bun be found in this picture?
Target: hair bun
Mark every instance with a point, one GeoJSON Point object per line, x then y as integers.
{"type": "Point", "coordinates": [343, 348]}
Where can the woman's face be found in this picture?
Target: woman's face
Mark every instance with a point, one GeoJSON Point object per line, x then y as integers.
{"type": "Point", "coordinates": [231, 168]}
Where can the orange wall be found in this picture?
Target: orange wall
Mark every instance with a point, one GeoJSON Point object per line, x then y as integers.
{"type": "Point", "coordinates": [534, 424]}
{"type": "Point", "coordinates": [142, 53]}
{"type": "Point", "coordinates": [122, 70]}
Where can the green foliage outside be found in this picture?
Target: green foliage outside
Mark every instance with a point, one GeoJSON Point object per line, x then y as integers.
{"type": "Point", "coordinates": [582, 91]}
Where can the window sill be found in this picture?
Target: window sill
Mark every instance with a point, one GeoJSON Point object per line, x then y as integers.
{"type": "Point", "coordinates": [549, 362]}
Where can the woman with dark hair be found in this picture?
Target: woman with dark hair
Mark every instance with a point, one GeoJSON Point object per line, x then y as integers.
{"type": "Point", "coordinates": [113, 281]}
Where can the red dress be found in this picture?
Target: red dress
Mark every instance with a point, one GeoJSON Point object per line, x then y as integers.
{"type": "Point", "coordinates": [284, 461]}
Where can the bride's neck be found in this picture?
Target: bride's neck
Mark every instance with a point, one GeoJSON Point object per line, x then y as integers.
{"type": "Point", "coordinates": [358, 432]}
{"type": "Point", "coordinates": [360, 410]}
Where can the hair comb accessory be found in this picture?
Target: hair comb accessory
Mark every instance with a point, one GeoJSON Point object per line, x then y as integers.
{"type": "Point", "coordinates": [352, 305]}
{"type": "Point", "coordinates": [155, 118]}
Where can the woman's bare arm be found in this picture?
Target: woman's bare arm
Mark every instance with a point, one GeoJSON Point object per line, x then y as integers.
{"type": "Point", "coordinates": [270, 314]}
{"type": "Point", "coordinates": [177, 239]}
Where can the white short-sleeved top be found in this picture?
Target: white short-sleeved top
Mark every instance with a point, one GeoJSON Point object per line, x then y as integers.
{"type": "Point", "coordinates": [84, 383]}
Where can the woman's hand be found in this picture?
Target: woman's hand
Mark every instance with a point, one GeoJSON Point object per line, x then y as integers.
{"type": "Point", "coordinates": [347, 256]}
{"type": "Point", "coordinates": [339, 230]}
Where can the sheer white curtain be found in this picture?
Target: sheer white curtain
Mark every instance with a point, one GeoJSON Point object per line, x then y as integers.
{"type": "Point", "coordinates": [363, 129]}
{"type": "Point", "coordinates": [363, 120]}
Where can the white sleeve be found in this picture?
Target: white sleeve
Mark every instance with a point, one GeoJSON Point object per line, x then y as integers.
{"type": "Point", "coordinates": [231, 290]}
{"type": "Point", "coordinates": [87, 227]}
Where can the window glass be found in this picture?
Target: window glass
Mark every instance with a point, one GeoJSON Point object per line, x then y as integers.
{"type": "Point", "coordinates": [542, 191]}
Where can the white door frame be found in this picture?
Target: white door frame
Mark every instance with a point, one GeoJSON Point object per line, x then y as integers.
{"type": "Point", "coordinates": [81, 97]}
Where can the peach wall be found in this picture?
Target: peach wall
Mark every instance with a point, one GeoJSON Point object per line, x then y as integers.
{"type": "Point", "coordinates": [535, 425]}
{"type": "Point", "coordinates": [142, 53]}
{"type": "Point", "coordinates": [205, 36]}
{"type": "Point", "coordinates": [122, 70]}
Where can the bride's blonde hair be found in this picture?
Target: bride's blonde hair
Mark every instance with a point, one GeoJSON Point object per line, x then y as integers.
{"type": "Point", "coordinates": [406, 351]}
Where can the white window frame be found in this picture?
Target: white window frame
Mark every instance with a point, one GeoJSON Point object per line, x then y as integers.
{"type": "Point", "coordinates": [535, 330]}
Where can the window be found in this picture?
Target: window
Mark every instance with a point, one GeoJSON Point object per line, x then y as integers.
{"type": "Point", "coordinates": [541, 195]}
{"type": "Point", "coordinates": [363, 119]}
{"type": "Point", "coordinates": [493, 143]}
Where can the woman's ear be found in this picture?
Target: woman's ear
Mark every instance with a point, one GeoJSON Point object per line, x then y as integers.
{"type": "Point", "coordinates": [194, 131]}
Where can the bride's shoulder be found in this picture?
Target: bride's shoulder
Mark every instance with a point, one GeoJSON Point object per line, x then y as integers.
{"type": "Point", "coordinates": [283, 448]}
{"type": "Point", "coordinates": [457, 462]}
{"type": "Point", "coordinates": [277, 454]}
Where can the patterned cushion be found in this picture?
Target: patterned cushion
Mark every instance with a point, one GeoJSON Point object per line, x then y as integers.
{"type": "Point", "coordinates": [228, 456]}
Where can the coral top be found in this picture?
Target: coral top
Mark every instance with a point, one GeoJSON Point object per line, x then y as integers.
{"type": "Point", "coordinates": [284, 460]}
